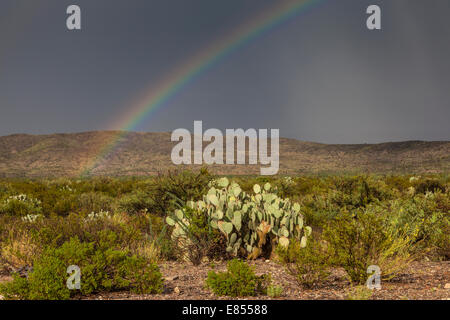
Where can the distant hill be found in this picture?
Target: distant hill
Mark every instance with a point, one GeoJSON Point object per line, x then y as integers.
{"type": "Point", "coordinates": [23, 155]}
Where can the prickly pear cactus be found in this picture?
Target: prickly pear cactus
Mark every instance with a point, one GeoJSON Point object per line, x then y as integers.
{"type": "Point", "coordinates": [247, 221]}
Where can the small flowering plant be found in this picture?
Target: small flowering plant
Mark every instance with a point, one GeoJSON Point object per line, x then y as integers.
{"type": "Point", "coordinates": [21, 205]}
{"type": "Point", "coordinates": [98, 215]}
{"type": "Point", "coordinates": [31, 217]}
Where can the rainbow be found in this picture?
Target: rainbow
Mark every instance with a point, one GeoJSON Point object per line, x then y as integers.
{"type": "Point", "coordinates": [169, 86]}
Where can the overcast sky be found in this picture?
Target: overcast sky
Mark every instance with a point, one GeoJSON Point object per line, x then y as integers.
{"type": "Point", "coordinates": [321, 76]}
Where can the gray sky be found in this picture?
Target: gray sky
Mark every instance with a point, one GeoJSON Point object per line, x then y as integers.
{"type": "Point", "coordinates": [321, 76]}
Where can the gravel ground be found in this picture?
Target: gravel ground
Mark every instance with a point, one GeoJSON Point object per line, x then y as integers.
{"type": "Point", "coordinates": [423, 280]}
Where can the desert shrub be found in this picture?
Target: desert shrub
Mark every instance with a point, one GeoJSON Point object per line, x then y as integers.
{"type": "Point", "coordinates": [345, 184]}
{"type": "Point", "coordinates": [364, 238]}
{"type": "Point", "coordinates": [5, 187]}
{"type": "Point", "coordinates": [17, 288]}
{"type": "Point", "coordinates": [285, 187]}
{"type": "Point", "coordinates": [318, 210]}
{"type": "Point", "coordinates": [309, 185]}
{"type": "Point", "coordinates": [65, 205]}
{"type": "Point", "coordinates": [274, 291]}
{"type": "Point", "coordinates": [310, 265]}
{"type": "Point", "coordinates": [247, 182]}
{"type": "Point", "coordinates": [135, 202]}
{"type": "Point", "coordinates": [22, 240]}
{"type": "Point", "coordinates": [168, 249]}
{"type": "Point", "coordinates": [55, 230]}
{"type": "Point", "coordinates": [112, 187]}
{"type": "Point", "coordinates": [357, 192]}
{"type": "Point", "coordinates": [103, 268]}
{"type": "Point", "coordinates": [157, 244]}
{"type": "Point", "coordinates": [18, 249]}
{"type": "Point", "coordinates": [48, 194]}
{"type": "Point", "coordinates": [152, 245]}
{"type": "Point", "coordinates": [337, 194]}
{"type": "Point", "coordinates": [148, 250]}
{"type": "Point", "coordinates": [20, 205]}
{"type": "Point", "coordinates": [238, 281]}
{"type": "Point", "coordinates": [183, 185]}
{"type": "Point", "coordinates": [360, 292]}
{"type": "Point", "coordinates": [430, 185]}
{"type": "Point", "coordinates": [401, 183]}
{"type": "Point", "coordinates": [95, 202]}
{"type": "Point", "coordinates": [418, 206]}
{"type": "Point", "coordinates": [194, 237]}
{"type": "Point", "coordinates": [427, 217]}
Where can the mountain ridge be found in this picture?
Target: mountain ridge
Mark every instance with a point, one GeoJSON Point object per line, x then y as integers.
{"type": "Point", "coordinates": [148, 153]}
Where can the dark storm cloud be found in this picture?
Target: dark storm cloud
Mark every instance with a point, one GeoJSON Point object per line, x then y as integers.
{"type": "Point", "coordinates": [321, 76]}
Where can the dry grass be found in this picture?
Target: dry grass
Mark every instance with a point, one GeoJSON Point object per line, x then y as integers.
{"type": "Point", "coordinates": [19, 250]}
{"type": "Point", "coordinates": [148, 250]}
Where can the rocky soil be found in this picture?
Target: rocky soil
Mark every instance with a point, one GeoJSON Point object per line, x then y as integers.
{"type": "Point", "coordinates": [422, 280]}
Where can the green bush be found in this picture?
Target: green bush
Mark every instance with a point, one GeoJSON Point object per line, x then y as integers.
{"type": "Point", "coordinates": [358, 192]}
{"type": "Point", "coordinates": [360, 292]}
{"type": "Point", "coordinates": [183, 185]}
{"type": "Point", "coordinates": [194, 237]}
{"type": "Point", "coordinates": [238, 281]}
{"type": "Point", "coordinates": [310, 265]}
{"type": "Point", "coordinates": [102, 269]}
{"type": "Point", "coordinates": [21, 241]}
{"type": "Point", "coordinates": [66, 205]}
{"type": "Point", "coordinates": [430, 185]}
{"type": "Point", "coordinates": [18, 288]}
{"type": "Point", "coordinates": [365, 238]}
{"type": "Point", "coordinates": [427, 217]}
{"type": "Point", "coordinates": [135, 202]}
{"type": "Point", "coordinates": [274, 291]}
{"type": "Point", "coordinates": [400, 183]}
{"type": "Point", "coordinates": [95, 202]}
{"type": "Point", "coordinates": [20, 205]}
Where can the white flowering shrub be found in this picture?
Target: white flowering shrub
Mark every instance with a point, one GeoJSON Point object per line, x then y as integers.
{"type": "Point", "coordinates": [288, 180]}
{"type": "Point", "coordinates": [99, 215]}
{"type": "Point", "coordinates": [21, 205]}
{"type": "Point", "coordinates": [67, 188]}
{"type": "Point", "coordinates": [31, 217]}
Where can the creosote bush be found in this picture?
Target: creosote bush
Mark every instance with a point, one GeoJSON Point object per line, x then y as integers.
{"type": "Point", "coordinates": [103, 268]}
{"type": "Point", "coordinates": [184, 185]}
{"type": "Point", "coordinates": [310, 265]}
{"type": "Point", "coordinates": [364, 238]}
{"type": "Point", "coordinates": [238, 281]}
